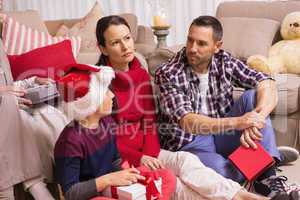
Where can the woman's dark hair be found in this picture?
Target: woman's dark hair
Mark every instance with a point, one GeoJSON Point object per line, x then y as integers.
{"type": "Point", "coordinates": [102, 25]}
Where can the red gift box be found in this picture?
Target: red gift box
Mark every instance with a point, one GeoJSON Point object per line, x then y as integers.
{"type": "Point", "coordinates": [251, 162]}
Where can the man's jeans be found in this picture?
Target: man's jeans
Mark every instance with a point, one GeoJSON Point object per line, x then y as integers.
{"type": "Point", "coordinates": [214, 150]}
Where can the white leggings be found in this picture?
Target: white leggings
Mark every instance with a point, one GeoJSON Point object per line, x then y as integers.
{"type": "Point", "coordinates": [196, 181]}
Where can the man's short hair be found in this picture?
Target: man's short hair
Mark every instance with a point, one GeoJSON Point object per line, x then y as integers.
{"type": "Point", "coordinates": [209, 21]}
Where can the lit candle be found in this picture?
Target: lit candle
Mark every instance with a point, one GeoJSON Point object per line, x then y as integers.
{"type": "Point", "coordinates": [160, 20]}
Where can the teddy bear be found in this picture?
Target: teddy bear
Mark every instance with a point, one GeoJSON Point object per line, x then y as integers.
{"type": "Point", "coordinates": [284, 56]}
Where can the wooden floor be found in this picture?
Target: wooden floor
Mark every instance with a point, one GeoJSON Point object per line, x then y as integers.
{"type": "Point", "coordinates": [291, 171]}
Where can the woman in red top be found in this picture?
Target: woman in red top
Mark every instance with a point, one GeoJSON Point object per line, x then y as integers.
{"type": "Point", "coordinates": [137, 137]}
{"type": "Point", "coordinates": [128, 116]}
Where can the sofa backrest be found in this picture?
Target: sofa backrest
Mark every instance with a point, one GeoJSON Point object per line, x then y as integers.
{"type": "Point", "coordinates": [32, 19]}
{"type": "Point", "coordinates": [252, 27]}
{"type": "Point", "coordinates": [275, 10]}
{"type": "Point", "coordinates": [53, 25]}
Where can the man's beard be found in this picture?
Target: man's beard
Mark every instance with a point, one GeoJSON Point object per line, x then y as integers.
{"type": "Point", "coordinates": [199, 61]}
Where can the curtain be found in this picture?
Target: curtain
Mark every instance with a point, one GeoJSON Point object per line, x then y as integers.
{"type": "Point", "coordinates": [180, 12]}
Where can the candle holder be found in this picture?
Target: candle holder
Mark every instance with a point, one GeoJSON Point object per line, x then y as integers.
{"type": "Point", "coordinates": [161, 33]}
{"type": "Point", "coordinates": [160, 21]}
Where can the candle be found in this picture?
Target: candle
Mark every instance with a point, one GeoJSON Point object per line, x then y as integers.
{"type": "Point", "coordinates": [160, 21]}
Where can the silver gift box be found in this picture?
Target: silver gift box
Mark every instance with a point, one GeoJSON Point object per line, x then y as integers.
{"type": "Point", "coordinates": [42, 93]}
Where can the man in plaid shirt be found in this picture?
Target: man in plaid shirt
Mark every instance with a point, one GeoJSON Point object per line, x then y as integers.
{"type": "Point", "coordinates": [198, 113]}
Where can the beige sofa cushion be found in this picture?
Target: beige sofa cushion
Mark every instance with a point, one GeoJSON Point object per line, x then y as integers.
{"type": "Point", "coordinates": [244, 37]}
{"type": "Point", "coordinates": [86, 29]}
{"type": "Point", "coordinates": [88, 58]}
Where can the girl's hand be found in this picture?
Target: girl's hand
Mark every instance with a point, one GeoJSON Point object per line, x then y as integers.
{"type": "Point", "coordinates": [119, 178]}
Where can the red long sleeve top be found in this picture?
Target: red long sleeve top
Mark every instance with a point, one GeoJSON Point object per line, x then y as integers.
{"type": "Point", "coordinates": [137, 132]}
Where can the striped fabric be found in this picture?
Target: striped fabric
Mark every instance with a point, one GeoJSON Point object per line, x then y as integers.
{"type": "Point", "coordinates": [19, 38]}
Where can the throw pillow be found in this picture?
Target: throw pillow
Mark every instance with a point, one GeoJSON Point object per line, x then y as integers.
{"type": "Point", "coordinates": [19, 38]}
{"type": "Point", "coordinates": [48, 61]}
{"type": "Point", "coordinates": [86, 29]}
{"type": "Point", "coordinates": [244, 37]}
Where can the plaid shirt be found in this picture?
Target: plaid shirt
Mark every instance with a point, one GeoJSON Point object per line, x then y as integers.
{"type": "Point", "coordinates": [180, 94]}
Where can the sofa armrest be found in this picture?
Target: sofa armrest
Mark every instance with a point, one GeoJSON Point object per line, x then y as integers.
{"type": "Point", "coordinates": [145, 36]}
{"type": "Point", "coordinates": [288, 87]}
{"type": "Point", "coordinates": [145, 43]}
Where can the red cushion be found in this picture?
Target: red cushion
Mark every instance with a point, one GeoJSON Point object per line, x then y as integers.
{"type": "Point", "coordinates": [48, 61]}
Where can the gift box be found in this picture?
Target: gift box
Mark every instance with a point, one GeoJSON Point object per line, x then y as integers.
{"type": "Point", "coordinates": [251, 162]}
{"type": "Point", "coordinates": [136, 191]}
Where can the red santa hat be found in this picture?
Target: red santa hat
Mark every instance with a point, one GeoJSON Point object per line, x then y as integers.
{"type": "Point", "coordinates": [83, 88]}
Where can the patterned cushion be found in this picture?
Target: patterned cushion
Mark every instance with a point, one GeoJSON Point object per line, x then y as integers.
{"type": "Point", "coordinates": [86, 29]}
{"type": "Point", "coordinates": [19, 38]}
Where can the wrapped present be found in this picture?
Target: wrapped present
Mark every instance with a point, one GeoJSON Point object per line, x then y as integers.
{"type": "Point", "coordinates": [149, 189]}
{"type": "Point", "coordinates": [251, 162]}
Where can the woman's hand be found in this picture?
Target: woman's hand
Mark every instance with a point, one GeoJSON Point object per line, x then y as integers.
{"type": "Point", "coordinates": [14, 90]}
{"type": "Point", "coordinates": [43, 81]}
{"type": "Point", "coordinates": [151, 162]}
{"type": "Point", "coordinates": [18, 92]}
{"type": "Point", "coordinates": [119, 178]}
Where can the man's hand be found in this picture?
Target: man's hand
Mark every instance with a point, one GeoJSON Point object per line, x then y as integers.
{"type": "Point", "coordinates": [19, 93]}
{"type": "Point", "coordinates": [251, 119]}
{"type": "Point", "coordinates": [120, 178]}
{"type": "Point", "coordinates": [249, 136]}
{"type": "Point", "coordinates": [43, 81]}
{"type": "Point", "coordinates": [151, 162]}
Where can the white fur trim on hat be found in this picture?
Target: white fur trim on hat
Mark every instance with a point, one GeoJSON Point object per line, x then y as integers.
{"type": "Point", "coordinates": [88, 104]}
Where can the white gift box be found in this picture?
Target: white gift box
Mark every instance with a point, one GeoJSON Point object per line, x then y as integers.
{"type": "Point", "coordinates": [135, 191]}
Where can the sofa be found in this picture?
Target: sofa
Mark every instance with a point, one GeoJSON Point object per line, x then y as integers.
{"type": "Point", "coordinates": [286, 116]}
{"type": "Point", "coordinates": [241, 19]}
{"type": "Point", "coordinates": [142, 35]}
